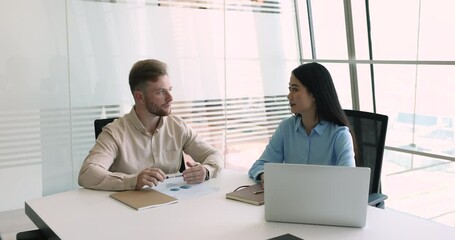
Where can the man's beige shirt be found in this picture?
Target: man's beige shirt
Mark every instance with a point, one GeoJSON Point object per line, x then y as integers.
{"type": "Point", "coordinates": [125, 148]}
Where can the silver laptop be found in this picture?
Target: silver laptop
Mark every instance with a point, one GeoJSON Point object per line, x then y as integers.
{"type": "Point", "coordinates": [314, 194]}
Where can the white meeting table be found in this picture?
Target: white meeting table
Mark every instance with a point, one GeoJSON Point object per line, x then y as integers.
{"type": "Point", "coordinates": [89, 214]}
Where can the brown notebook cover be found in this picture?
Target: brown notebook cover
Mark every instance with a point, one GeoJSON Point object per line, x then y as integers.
{"type": "Point", "coordinates": [248, 195]}
{"type": "Point", "coordinates": [142, 199]}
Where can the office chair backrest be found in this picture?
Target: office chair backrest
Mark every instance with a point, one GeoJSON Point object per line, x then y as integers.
{"type": "Point", "coordinates": [370, 131]}
{"type": "Point", "coordinates": [100, 123]}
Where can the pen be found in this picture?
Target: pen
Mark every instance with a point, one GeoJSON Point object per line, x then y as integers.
{"type": "Point", "coordinates": [174, 175]}
{"type": "Point", "coordinates": [257, 192]}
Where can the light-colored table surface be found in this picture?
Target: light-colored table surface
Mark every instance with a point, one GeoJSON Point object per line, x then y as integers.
{"type": "Point", "coordinates": [88, 214]}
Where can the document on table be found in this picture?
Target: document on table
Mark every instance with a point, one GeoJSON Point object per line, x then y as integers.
{"type": "Point", "coordinates": [178, 188]}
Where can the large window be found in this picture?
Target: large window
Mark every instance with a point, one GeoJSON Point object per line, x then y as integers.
{"type": "Point", "coordinates": [400, 62]}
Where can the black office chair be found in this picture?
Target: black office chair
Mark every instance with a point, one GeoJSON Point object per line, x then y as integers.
{"type": "Point", "coordinates": [100, 123]}
{"type": "Point", "coordinates": [370, 131]}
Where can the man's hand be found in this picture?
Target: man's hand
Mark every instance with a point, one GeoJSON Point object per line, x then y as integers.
{"type": "Point", "coordinates": [194, 174]}
{"type": "Point", "coordinates": [150, 177]}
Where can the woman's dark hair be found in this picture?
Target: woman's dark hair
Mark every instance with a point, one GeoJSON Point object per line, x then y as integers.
{"type": "Point", "coordinates": [318, 81]}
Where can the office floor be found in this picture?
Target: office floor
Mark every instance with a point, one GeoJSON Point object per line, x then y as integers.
{"type": "Point", "coordinates": [12, 222]}
{"type": "Point", "coordinates": [425, 191]}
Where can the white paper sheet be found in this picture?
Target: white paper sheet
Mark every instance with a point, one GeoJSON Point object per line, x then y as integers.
{"type": "Point", "coordinates": [178, 188]}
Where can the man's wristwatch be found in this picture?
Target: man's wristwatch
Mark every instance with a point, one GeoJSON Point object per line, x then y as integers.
{"type": "Point", "coordinates": [207, 174]}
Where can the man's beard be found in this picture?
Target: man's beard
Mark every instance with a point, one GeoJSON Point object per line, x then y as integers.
{"type": "Point", "coordinates": [156, 110]}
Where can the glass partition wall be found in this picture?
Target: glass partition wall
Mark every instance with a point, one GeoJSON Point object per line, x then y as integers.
{"type": "Point", "coordinates": [261, 51]}
{"type": "Point", "coordinates": [230, 63]}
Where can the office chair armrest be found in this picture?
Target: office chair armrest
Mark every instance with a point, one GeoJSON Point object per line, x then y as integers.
{"type": "Point", "coordinates": [375, 198]}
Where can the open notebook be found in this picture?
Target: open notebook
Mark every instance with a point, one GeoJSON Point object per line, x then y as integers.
{"type": "Point", "coordinates": [142, 199]}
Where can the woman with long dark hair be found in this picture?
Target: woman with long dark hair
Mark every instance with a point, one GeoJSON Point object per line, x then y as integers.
{"type": "Point", "coordinates": [318, 133]}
